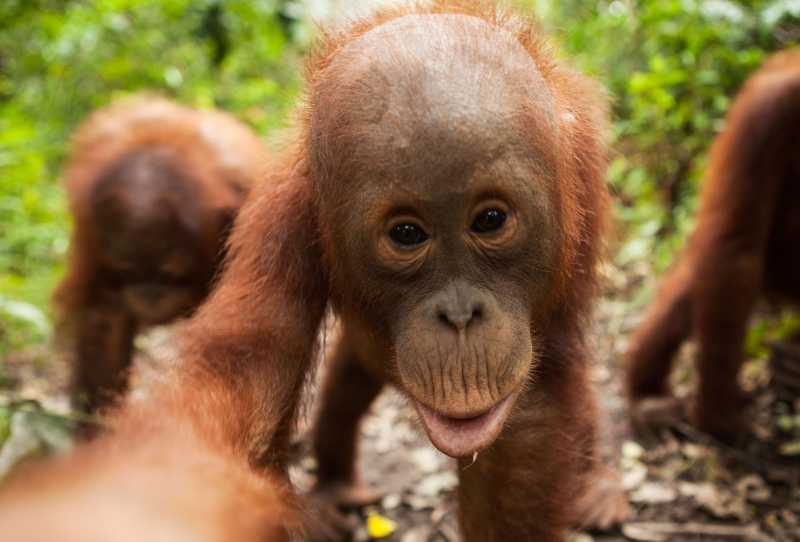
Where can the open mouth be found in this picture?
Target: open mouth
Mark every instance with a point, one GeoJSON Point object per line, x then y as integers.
{"type": "Point", "coordinates": [461, 437]}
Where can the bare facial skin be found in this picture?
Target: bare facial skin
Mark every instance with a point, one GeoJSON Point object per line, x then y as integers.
{"type": "Point", "coordinates": [452, 163]}
{"type": "Point", "coordinates": [149, 218]}
{"type": "Point", "coordinates": [154, 304]}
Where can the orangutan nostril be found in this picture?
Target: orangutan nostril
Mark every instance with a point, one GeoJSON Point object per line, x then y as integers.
{"type": "Point", "coordinates": [458, 317]}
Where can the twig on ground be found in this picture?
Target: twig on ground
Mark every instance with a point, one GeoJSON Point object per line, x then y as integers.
{"type": "Point", "coordinates": [657, 532]}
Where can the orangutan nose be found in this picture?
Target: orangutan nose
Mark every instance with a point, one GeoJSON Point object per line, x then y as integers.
{"type": "Point", "coordinates": [459, 305]}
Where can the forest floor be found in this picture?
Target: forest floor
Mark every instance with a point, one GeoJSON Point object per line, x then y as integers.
{"type": "Point", "coordinates": [682, 484]}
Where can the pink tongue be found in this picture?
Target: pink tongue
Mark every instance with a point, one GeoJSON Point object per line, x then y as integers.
{"type": "Point", "coordinates": [462, 437]}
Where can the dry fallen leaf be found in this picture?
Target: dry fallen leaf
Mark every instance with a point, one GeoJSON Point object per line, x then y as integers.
{"type": "Point", "coordinates": [654, 493]}
{"type": "Point", "coordinates": [391, 501]}
{"type": "Point", "coordinates": [791, 448]}
{"type": "Point", "coordinates": [634, 476]}
{"type": "Point", "coordinates": [435, 484]}
{"type": "Point", "coordinates": [754, 488]}
{"type": "Point", "coordinates": [719, 501]}
{"type": "Point", "coordinates": [632, 450]}
{"type": "Point", "coordinates": [664, 531]}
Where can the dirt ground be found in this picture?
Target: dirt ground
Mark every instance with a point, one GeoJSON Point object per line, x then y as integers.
{"type": "Point", "coordinates": [682, 484]}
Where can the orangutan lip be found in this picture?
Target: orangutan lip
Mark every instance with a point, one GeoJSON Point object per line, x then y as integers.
{"type": "Point", "coordinates": [462, 436]}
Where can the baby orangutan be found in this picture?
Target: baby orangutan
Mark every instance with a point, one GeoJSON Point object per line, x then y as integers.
{"type": "Point", "coordinates": [153, 188]}
{"type": "Point", "coordinates": [446, 200]}
{"type": "Point", "coordinates": [459, 173]}
{"type": "Point", "coordinates": [742, 249]}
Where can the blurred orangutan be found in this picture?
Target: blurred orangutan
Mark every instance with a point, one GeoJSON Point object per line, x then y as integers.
{"type": "Point", "coordinates": [153, 188]}
{"type": "Point", "coordinates": [741, 251]}
{"type": "Point", "coordinates": [166, 474]}
{"type": "Point", "coordinates": [446, 200]}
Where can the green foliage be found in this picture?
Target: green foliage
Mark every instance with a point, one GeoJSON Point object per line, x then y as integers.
{"type": "Point", "coordinates": [672, 68]}
{"type": "Point", "coordinates": [60, 59]}
{"type": "Point", "coordinates": [775, 328]}
{"type": "Point", "coordinates": [27, 430]}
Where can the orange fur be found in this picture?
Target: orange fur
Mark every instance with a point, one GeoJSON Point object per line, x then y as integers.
{"type": "Point", "coordinates": [163, 475]}
{"type": "Point", "coordinates": [740, 251]}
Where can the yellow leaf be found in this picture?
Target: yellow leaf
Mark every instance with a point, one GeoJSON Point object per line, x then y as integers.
{"type": "Point", "coordinates": [379, 526]}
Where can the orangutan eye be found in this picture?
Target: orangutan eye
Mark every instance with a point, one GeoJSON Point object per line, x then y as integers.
{"type": "Point", "coordinates": [489, 221]}
{"type": "Point", "coordinates": [407, 235]}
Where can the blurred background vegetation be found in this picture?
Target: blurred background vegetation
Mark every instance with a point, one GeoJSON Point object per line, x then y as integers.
{"type": "Point", "coordinates": [671, 67]}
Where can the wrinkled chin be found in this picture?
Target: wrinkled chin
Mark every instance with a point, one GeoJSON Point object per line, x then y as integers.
{"type": "Point", "coordinates": [161, 311]}
{"type": "Point", "coordinates": [463, 436]}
